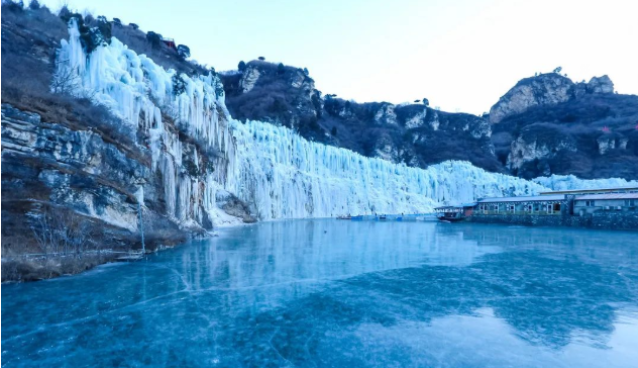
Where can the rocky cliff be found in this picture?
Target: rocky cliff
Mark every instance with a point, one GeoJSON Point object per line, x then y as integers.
{"type": "Point", "coordinates": [544, 125]}
{"type": "Point", "coordinates": [543, 90]}
{"type": "Point", "coordinates": [85, 175]}
{"type": "Point", "coordinates": [411, 133]}
{"type": "Point", "coordinates": [548, 125]}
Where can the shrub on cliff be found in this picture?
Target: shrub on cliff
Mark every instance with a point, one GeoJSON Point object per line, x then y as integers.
{"type": "Point", "coordinates": [183, 51]}
{"type": "Point", "coordinates": [179, 85]}
{"type": "Point", "coordinates": [13, 6]}
{"type": "Point", "coordinates": [93, 31]}
{"type": "Point", "coordinates": [137, 40]}
{"type": "Point", "coordinates": [104, 27]}
{"type": "Point", "coordinates": [154, 39]}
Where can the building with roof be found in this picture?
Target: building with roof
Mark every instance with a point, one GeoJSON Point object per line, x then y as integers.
{"type": "Point", "coordinates": [169, 42]}
{"type": "Point", "coordinates": [539, 205]}
{"type": "Point", "coordinates": [590, 203]}
{"type": "Point", "coordinates": [630, 189]}
{"type": "Point", "coordinates": [611, 208]}
{"type": "Point", "coordinates": [455, 213]}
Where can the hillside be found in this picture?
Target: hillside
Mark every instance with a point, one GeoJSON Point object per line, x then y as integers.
{"type": "Point", "coordinates": [414, 134]}
{"type": "Point", "coordinates": [544, 125]}
{"type": "Point", "coordinates": [84, 181]}
{"type": "Point", "coordinates": [549, 125]}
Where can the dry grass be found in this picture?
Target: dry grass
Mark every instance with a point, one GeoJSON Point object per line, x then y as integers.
{"type": "Point", "coordinates": [27, 268]}
{"type": "Point", "coordinates": [164, 56]}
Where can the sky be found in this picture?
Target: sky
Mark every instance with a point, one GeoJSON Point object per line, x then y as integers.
{"type": "Point", "coordinates": [460, 54]}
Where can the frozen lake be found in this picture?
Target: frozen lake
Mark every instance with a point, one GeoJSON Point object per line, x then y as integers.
{"type": "Point", "coordinates": [319, 293]}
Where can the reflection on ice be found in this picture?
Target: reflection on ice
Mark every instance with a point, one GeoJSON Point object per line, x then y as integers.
{"type": "Point", "coordinates": [328, 293]}
{"type": "Point", "coordinates": [469, 341]}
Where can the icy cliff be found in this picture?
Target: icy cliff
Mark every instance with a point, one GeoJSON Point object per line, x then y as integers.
{"type": "Point", "coordinates": [181, 119]}
{"type": "Point", "coordinates": [286, 176]}
{"type": "Point", "coordinates": [278, 173]}
{"type": "Point", "coordinates": [568, 182]}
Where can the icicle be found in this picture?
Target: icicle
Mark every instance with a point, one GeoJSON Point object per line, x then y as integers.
{"type": "Point", "coordinates": [139, 195]}
{"type": "Point", "coordinates": [286, 176]}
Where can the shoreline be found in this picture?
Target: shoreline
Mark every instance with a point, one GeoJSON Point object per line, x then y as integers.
{"type": "Point", "coordinates": [35, 267]}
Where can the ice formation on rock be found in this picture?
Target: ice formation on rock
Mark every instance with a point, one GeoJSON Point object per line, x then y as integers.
{"type": "Point", "coordinates": [286, 176]}
{"type": "Point", "coordinates": [279, 174]}
{"type": "Point", "coordinates": [569, 182]}
{"type": "Point", "coordinates": [143, 95]}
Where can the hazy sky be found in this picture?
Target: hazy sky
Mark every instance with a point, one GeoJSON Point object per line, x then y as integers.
{"type": "Point", "coordinates": [460, 54]}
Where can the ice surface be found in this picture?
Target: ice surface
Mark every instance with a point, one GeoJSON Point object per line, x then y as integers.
{"type": "Point", "coordinates": [328, 293]}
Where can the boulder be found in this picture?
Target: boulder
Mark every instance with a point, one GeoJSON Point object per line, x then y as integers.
{"type": "Point", "coordinates": [545, 89]}
{"type": "Point", "coordinates": [600, 85]}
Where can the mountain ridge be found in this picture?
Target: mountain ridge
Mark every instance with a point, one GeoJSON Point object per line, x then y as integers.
{"type": "Point", "coordinates": [419, 135]}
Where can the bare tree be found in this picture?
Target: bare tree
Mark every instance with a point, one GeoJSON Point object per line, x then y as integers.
{"type": "Point", "coordinates": [60, 234]}
{"type": "Point", "coordinates": [67, 81]}
{"type": "Point", "coordinates": [43, 233]}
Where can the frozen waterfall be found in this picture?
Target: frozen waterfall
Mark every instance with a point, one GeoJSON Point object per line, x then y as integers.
{"type": "Point", "coordinates": [286, 176]}
{"type": "Point", "coordinates": [144, 95]}
{"type": "Point", "coordinates": [567, 182]}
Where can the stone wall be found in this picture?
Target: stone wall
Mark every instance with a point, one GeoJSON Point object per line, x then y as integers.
{"type": "Point", "coordinates": [529, 220]}
{"type": "Point", "coordinates": [622, 220]}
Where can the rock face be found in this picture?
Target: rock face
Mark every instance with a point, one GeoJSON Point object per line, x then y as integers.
{"type": "Point", "coordinates": [414, 133]}
{"type": "Point", "coordinates": [283, 96]}
{"type": "Point", "coordinates": [600, 85]}
{"type": "Point", "coordinates": [440, 134]}
{"type": "Point", "coordinates": [548, 125]}
{"type": "Point", "coordinates": [51, 170]}
{"type": "Point", "coordinates": [417, 120]}
{"type": "Point", "coordinates": [386, 115]}
{"type": "Point", "coordinates": [234, 206]}
{"type": "Point", "coordinates": [593, 135]}
{"type": "Point", "coordinates": [83, 189]}
{"type": "Point", "coordinates": [50, 167]}
{"type": "Point", "coordinates": [596, 85]}
{"type": "Point", "coordinates": [535, 143]}
{"type": "Point", "coordinates": [544, 125]}
{"type": "Point", "coordinates": [546, 89]}
{"type": "Point", "coordinates": [607, 143]}
{"type": "Point", "coordinates": [248, 79]}
{"type": "Point", "coordinates": [84, 179]}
